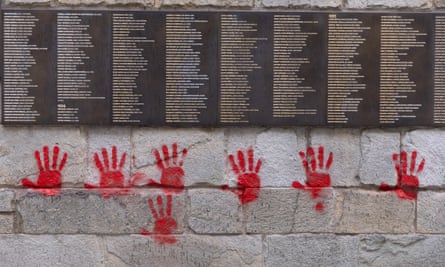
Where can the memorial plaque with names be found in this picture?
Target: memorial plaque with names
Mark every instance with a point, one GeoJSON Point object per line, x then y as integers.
{"type": "Point", "coordinates": [222, 68]}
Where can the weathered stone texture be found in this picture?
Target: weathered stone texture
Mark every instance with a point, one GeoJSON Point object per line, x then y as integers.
{"type": "Point", "coordinates": [300, 3]}
{"type": "Point", "coordinates": [203, 164]}
{"type": "Point", "coordinates": [310, 250]}
{"type": "Point", "coordinates": [377, 148]}
{"type": "Point", "coordinates": [6, 223]}
{"type": "Point", "coordinates": [429, 146]}
{"type": "Point", "coordinates": [189, 250]}
{"type": "Point", "coordinates": [360, 211]}
{"type": "Point", "coordinates": [84, 211]}
{"type": "Point", "coordinates": [208, 3]}
{"type": "Point", "coordinates": [345, 146]}
{"type": "Point", "coordinates": [214, 211]}
{"type": "Point", "coordinates": [431, 212]}
{"type": "Point", "coordinates": [18, 144]}
{"type": "Point", "coordinates": [6, 198]}
{"type": "Point", "coordinates": [402, 250]}
{"type": "Point", "coordinates": [272, 212]}
{"type": "Point", "coordinates": [278, 150]}
{"type": "Point", "coordinates": [361, 4]}
{"type": "Point", "coordinates": [147, 3]}
{"type": "Point", "coordinates": [50, 250]}
{"type": "Point", "coordinates": [310, 217]}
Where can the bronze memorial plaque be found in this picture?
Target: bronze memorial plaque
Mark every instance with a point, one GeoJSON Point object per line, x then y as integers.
{"type": "Point", "coordinates": [222, 68]}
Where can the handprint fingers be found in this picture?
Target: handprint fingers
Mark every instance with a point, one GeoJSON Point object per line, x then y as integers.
{"type": "Point", "coordinates": [235, 168]}
{"type": "Point", "coordinates": [152, 209]}
{"type": "Point", "coordinates": [241, 161]}
{"type": "Point", "coordinates": [63, 161]}
{"type": "Point", "coordinates": [55, 156]}
{"type": "Point", "coordinates": [167, 161]}
{"type": "Point", "coordinates": [166, 155]}
{"type": "Point", "coordinates": [46, 157]}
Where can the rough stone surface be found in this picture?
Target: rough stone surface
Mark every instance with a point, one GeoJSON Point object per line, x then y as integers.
{"type": "Point", "coordinates": [439, 3]}
{"type": "Point", "coordinates": [299, 3]}
{"type": "Point", "coordinates": [27, 2]}
{"type": "Point", "coordinates": [84, 211]}
{"type": "Point", "coordinates": [360, 211]}
{"type": "Point", "coordinates": [345, 146]}
{"type": "Point", "coordinates": [272, 212]}
{"type": "Point", "coordinates": [377, 148]}
{"type": "Point", "coordinates": [428, 146]}
{"type": "Point", "coordinates": [99, 138]}
{"type": "Point", "coordinates": [203, 164]}
{"type": "Point", "coordinates": [6, 199]}
{"type": "Point", "coordinates": [189, 250]}
{"type": "Point", "coordinates": [278, 150]}
{"type": "Point", "coordinates": [310, 219]}
{"type": "Point", "coordinates": [18, 144]}
{"type": "Point", "coordinates": [148, 3]}
{"type": "Point", "coordinates": [6, 223]}
{"type": "Point", "coordinates": [402, 250]}
{"type": "Point", "coordinates": [214, 211]}
{"type": "Point", "coordinates": [215, 3]}
{"type": "Point", "coordinates": [388, 4]}
{"type": "Point", "coordinates": [431, 212]}
{"type": "Point", "coordinates": [50, 250]}
{"type": "Point", "coordinates": [310, 250]}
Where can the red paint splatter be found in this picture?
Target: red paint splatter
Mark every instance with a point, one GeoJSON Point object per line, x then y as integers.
{"type": "Point", "coordinates": [165, 225]}
{"type": "Point", "coordinates": [49, 181]}
{"type": "Point", "coordinates": [172, 174]}
{"type": "Point", "coordinates": [317, 175]}
{"type": "Point", "coordinates": [248, 186]}
{"type": "Point", "coordinates": [407, 181]}
{"type": "Point", "coordinates": [112, 180]}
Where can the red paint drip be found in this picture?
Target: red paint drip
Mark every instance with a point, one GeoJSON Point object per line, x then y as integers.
{"type": "Point", "coordinates": [407, 178]}
{"type": "Point", "coordinates": [317, 173]}
{"type": "Point", "coordinates": [248, 185]}
{"type": "Point", "coordinates": [111, 181]}
{"type": "Point", "coordinates": [165, 224]}
{"type": "Point", "coordinates": [49, 181]}
{"type": "Point", "coordinates": [172, 174]}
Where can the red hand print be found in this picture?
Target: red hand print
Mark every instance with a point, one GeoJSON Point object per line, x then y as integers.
{"type": "Point", "coordinates": [111, 177]}
{"type": "Point", "coordinates": [248, 179]}
{"type": "Point", "coordinates": [165, 225]}
{"type": "Point", "coordinates": [407, 182]}
{"type": "Point", "coordinates": [316, 180]}
{"type": "Point", "coordinates": [49, 181]}
{"type": "Point", "coordinates": [172, 174]}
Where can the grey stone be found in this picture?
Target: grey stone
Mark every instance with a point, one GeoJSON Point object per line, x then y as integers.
{"type": "Point", "coordinates": [278, 150]}
{"type": "Point", "coordinates": [427, 144]}
{"type": "Point", "coordinates": [214, 3]}
{"type": "Point", "coordinates": [361, 211]}
{"type": "Point", "coordinates": [6, 199]}
{"type": "Point", "coordinates": [189, 250]}
{"type": "Point", "coordinates": [402, 250]}
{"type": "Point", "coordinates": [18, 144]}
{"type": "Point", "coordinates": [28, 2]}
{"type": "Point", "coordinates": [315, 215]}
{"type": "Point", "coordinates": [361, 4]}
{"type": "Point", "coordinates": [86, 211]}
{"type": "Point", "coordinates": [310, 250]}
{"type": "Point", "coordinates": [147, 3]}
{"type": "Point", "coordinates": [439, 3]}
{"type": "Point", "coordinates": [6, 223]}
{"type": "Point", "coordinates": [345, 146]}
{"type": "Point", "coordinates": [203, 164]}
{"type": "Point", "coordinates": [50, 250]}
{"type": "Point", "coordinates": [272, 212]}
{"type": "Point", "coordinates": [107, 137]}
{"type": "Point", "coordinates": [214, 211]}
{"type": "Point", "coordinates": [431, 212]}
{"type": "Point", "coordinates": [377, 148]}
{"type": "Point", "coordinates": [300, 3]}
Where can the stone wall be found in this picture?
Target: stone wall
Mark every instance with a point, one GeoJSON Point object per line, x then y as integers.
{"type": "Point", "coordinates": [351, 222]}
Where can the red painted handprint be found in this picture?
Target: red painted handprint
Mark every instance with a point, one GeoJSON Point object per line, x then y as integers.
{"type": "Point", "coordinates": [172, 174]}
{"type": "Point", "coordinates": [316, 180]}
{"type": "Point", "coordinates": [407, 182]}
{"type": "Point", "coordinates": [49, 181]}
{"type": "Point", "coordinates": [165, 224]}
{"type": "Point", "coordinates": [111, 177]}
{"type": "Point", "coordinates": [248, 179]}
